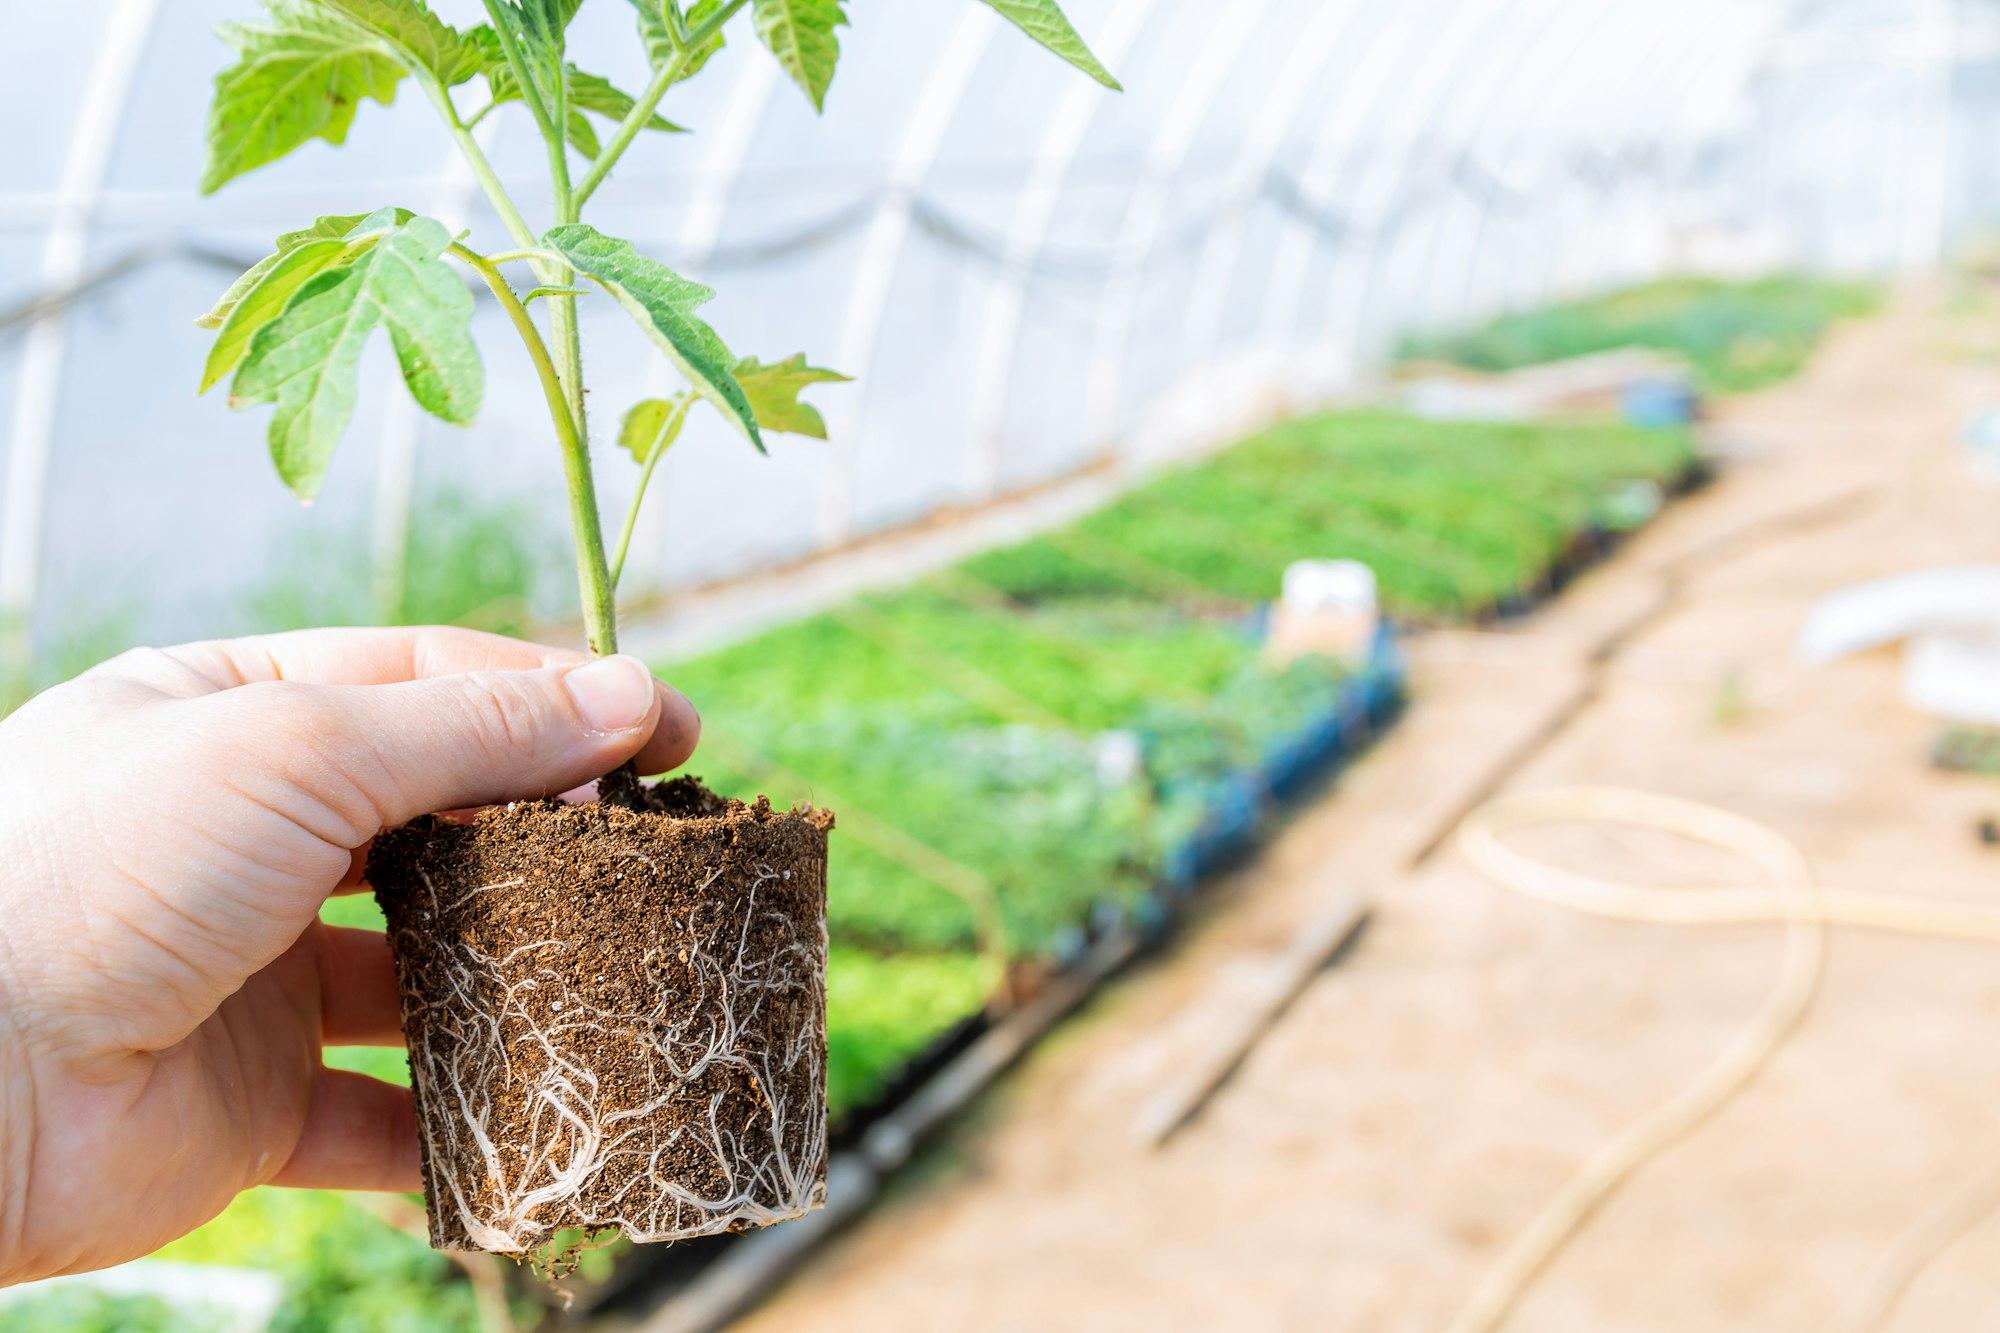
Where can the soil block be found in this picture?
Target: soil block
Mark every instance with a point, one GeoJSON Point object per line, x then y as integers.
{"type": "Point", "coordinates": [616, 1013]}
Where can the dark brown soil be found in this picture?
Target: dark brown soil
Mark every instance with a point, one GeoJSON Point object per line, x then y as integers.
{"type": "Point", "coordinates": [616, 1013]}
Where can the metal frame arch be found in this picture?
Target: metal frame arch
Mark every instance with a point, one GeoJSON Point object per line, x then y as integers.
{"type": "Point", "coordinates": [999, 337]}
{"type": "Point", "coordinates": [1534, 60]}
{"type": "Point", "coordinates": [882, 253]}
{"type": "Point", "coordinates": [1925, 202]}
{"type": "Point", "coordinates": [1551, 282]}
{"type": "Point", "coordinates": [1284, 285]}
{"type": "Point", "coordinates": [1382, 187]}
{"type": "Point", "coordinates": [1324, 34]}
{"type": "Point", "coordinates": [46, 343]}
{"type": "Point", "coordinates": [728, 153]}
{"type": "Point", "coordinates": [1715, 89]}
{"type": "Point", "coordinates": [1145, 211]}
{"type": "Point", "coordinates": [1633, 207]}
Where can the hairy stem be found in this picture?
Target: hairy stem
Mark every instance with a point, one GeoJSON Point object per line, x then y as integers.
{"type": "Point", "coordinates": [668, 429]}
{"type": "Point", "coordinates": [534, 254]}
{"type": "Point", "coordinates": [600, 614]}
{"type": "Point", "coordinates": [563, 371]}
{"type": "Point", "coordinates": [482, 170]}
{"type": "Point", "coordinates": [593, 574]}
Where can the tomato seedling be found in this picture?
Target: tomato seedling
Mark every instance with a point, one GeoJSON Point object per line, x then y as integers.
{"type": "Point", "coordinates": [616, 1011]}
{"type": "Point", "coordinates": [290, 331]}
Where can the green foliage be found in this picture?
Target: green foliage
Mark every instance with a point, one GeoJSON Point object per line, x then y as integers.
{"type": "Point", "coordinates": [1456, 519]}
{"type": "Point", "coordinates": [98, 622]}
{"type": "Point", "coordinates": [71, 1308]}
{"type": "Point", "coordinates": [800, 34]}
{"type": "Point", "coordinates": [298, 76]}
{"type": "Point", "coordinates": [588, 92]}
{"type": "Point", "coordinates": [1044, 21]}
{"type": "Point", "coordinates": [652, 425]}
{"type": "Point", "coordinates": [1737, 336]}
{"type": "Point", "coordinates": [533, 36]}
{"type": "Point", "coordinates": [882, 1012]}
{"type": "Point", "coordinates": [773, 392]}
{"type": "Point", "coordinates": [960, 725]}
{"type": "Point", "coordinates": [662, 303]}
{"type": "Point", "coordinates": [657, 37]}
{"type": "Point", "coordinates": [306, 359]}
{"type": "Point", "coordinates": [468, 563]}
{"type": "Point", "coordinates": [416, 35]}
{"type": "Point", "coordinates": [1023, 808]}
{"type": "Point", "coordinates": [291, 329]}
{"type": "Point", "coordinates": [344, 1269]}
{"type": "Point", "coordinates": [261, 294]}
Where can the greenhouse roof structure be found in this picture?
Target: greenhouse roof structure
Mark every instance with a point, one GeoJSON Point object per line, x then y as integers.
{"type": "Point", "coordinates": [1027, 277]}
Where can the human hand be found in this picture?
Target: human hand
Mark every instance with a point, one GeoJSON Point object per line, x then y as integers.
{"type": "Point", "coordinates": [170, 823]}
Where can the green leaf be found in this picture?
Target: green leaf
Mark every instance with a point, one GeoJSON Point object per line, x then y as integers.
{"type": "Point", "coordinates": [537, 29]}
{"type": "Point", "coordinates": [421, 37]}
{"type": "Point", "coordinates": [580, 134]}
{"type": "Point", "coordinates": [654, 34]}
{"type": "Point", "coordinates": [1044, 21]}
{"type": "Point", "coordinates": [542, 22]}
{"type": "Point", "coordinates": [337, 227]}
{"type": "Point", "coordinates": [587, 92]}
{"type": "Point", "coordinates": [663, 303]}
{"type": "Point", "coordinates": [306, 360]}
{"type": "Point", "coordinates": [265, 301]}
{"type": "Point", "coordinates": [651, 426]}
{"type": "Point", "coordinates": [596, 94]}
{"type": "Point", "coordinates": [800, 33]}
{"type": "Point", "coordinates": [658, 39]}
{"type": "Point", "coordinates": [773, 392]}
{"type": "Point", "coordinates": [234, 293]}
{"type": "Point", "coordinates": [298, 76]}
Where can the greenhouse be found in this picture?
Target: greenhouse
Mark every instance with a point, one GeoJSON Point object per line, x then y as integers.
{"type": "Point", "coordinates": [1247, 573]}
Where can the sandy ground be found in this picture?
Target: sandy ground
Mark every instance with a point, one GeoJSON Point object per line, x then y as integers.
{"type": "Point", "coordinates": [1425, 1096]}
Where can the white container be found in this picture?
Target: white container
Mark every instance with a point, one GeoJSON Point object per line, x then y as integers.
{"type": "Point", "coordinates": [1326, 607]}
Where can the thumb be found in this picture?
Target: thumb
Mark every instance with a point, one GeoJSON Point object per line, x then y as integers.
{"type": "Point", "coordinates": [491, 736]}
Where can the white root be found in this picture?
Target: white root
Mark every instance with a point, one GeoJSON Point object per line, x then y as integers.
{"type": "Point", "coordinates": [686, 1159]}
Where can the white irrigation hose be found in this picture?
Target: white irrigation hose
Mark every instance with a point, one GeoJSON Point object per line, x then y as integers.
{"type": "Point", "coordinates": [1789, 895]}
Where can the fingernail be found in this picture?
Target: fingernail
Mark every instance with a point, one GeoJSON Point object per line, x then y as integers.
{"type": "Point", "coordinates": [612, 693]}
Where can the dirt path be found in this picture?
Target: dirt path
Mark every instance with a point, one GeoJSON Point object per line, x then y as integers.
{"type": "Point", "coordinates": [1422, 1100]}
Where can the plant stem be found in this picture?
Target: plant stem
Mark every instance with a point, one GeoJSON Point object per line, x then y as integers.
{"type": "Point", "coordinates": [669, 428]}
{"type": "Point", "coordinates": [562, 375]}
{"type": "Point", "coordinates": [635, 120]}
{"type": "Point", "coordinates": [593, 574]}
{"type": "Point", "coordinates": [561, 369]}
{"type": "Point", "coordinates": [482, 170]}
{"type": "Point", "coordinates": [628, 128]}
{"type": "Point", "coordinates": [534, 254]}
{"type": "Point", "coordinates": [599, 611]}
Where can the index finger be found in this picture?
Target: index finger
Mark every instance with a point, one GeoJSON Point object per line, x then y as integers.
{"type": "Point", "coordinates": [377, 657]}
{"type": "Point", "coordinates": [332, 657]}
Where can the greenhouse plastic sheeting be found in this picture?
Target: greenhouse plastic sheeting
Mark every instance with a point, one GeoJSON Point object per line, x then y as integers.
{"type": "Point", "coordinates": [1027, 273]}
